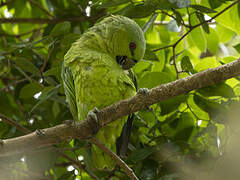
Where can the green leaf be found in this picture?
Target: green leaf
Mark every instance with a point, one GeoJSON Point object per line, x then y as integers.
{"type": "Point", "coordinates": [186, 64]}
{"type": "Point", "coordinates": [29, 90]}
{"type": "Point", "coordinates": [150, 170]}
{"type": "Point", "coordinates": [55, 71]}
{"type": "Point", "coordinates": [238, 6]}
{"type": "Point", "coordinates": [140, 154]}
{"type": "Point", "coordinates": [206, 63]}
{"type": "Point", "coordinates": [27, 66]}
{"type": "Point", "coordinates": [153, 79]}
{"type": "Point", "coordinates": [141, 66]}
{"type": "Point", "coordinates": [203, 9]}
{"type": "Point", "coordinates": [137, 11]}
{"type": "Point", "coordinates": [68, 39]}
{"type": "Point", "coordinates": [61, 28]}
{"type": "Point", "coordinates": [161, 4]}
{"type": "Point", "coordinates": [55, 109]}
{"type": "Point", "coordinates": [178, 17]}
{"type": "Point", "coordinates": [171, 104]}
{"type": "Point", "coordinates": [150, 55]}
{"type": "Point", "coordinates": [202, 19]}
{"type": "Point", "coordinates": [220, 89]}
{"type": "Point", "coordinates": [46, 94]}
{"type": "Point", "coordinates": [214, 3]}
{"type": "Point", "coordinates": [212, 41]}
{"type": "Point", "coordinates": [226, 34]}
{"type": "Point", "coordinates": [237, 47]}
{"type": "Point", "coordinates": [207, 105]}
{"type": "Point", "coordinates": [113, 3]}
{"type": "Point", "coordinates": [197, 34]}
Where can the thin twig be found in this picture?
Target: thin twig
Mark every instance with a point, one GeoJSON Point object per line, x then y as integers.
{"type": "Point", "coordinates": [47, 59]}
{"type": "Point", "coordinates": [174, 61]}
{"type": "Point", "coordinates": [165, 47]}
{"type": "Point", "coordinates": [172, 16]}
{"type": "Point", "coordinates": [117, 159]}
{"type": "Point", "coordinates": [77, 163]}
{"type": "Point", "coordinates": [15, 124]}
{"type": "Point", "coordinates": [40, 7]}
{"type": "Point", "coordinates": [188, 107]}
{"type": "Point", "coordinates": [14, 83]}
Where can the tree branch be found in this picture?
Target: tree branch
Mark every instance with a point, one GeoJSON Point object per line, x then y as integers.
{"type": "Point", "coordinates": [116, 158]}
{"type": "Point", "coordinates": [86, 129]}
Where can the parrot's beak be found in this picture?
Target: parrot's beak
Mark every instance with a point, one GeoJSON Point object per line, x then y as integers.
{"type": "Point", "coordinates": [129, 63]}
{"type": "Point", "coordinates": [126, 62]}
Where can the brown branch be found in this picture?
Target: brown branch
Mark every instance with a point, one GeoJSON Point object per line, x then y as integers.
{"type": "Point", "coordinates": [15, 124]}
{"type": "Point", "coordinates": [116, 158]}
{"type": "Point", "coordinates": [86, 129]}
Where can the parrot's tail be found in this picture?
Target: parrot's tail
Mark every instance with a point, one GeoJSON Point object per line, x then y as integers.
{"type": "Point", "coordinates": [123, 140]}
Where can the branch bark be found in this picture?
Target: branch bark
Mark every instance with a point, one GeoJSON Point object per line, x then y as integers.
{"type": "Point", "coordinates": [87, 128]}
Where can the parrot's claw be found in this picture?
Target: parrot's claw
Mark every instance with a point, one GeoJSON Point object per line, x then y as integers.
{"type": "Point", "coordinates": [95, 110]}
{"type": "Point", "coordinates": [93, 115]}
{"type": "Point", "coordinates": [40, 133]}
{"type": "Point", "coordinates": [143, 91]}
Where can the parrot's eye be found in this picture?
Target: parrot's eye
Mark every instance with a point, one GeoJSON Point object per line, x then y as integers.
{"type": "Point", "coordinates": [132, 45]}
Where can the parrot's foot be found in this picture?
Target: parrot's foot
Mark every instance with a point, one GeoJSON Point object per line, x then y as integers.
{"type": "Point", "coordinates": [40, 133]}
{"type": "Point", "coordinates": [1, 142]}
{"type": "Point", "coordinates": [93, 115]}
{"type": "Point", "coordinates": [143, 91]}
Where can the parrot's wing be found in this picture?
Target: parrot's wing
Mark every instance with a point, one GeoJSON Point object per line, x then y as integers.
{"type": "Point", "coordinates": [127, 80]}
{"type": "Point", "coordinates": [133, 78]}
{"type": "Point", "coordinates": [69, 88]}
{"type": "Point", "coordinates": [123, 140]}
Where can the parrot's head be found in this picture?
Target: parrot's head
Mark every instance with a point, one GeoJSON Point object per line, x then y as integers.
{"type": "Point", "coordinates": [124, 40]}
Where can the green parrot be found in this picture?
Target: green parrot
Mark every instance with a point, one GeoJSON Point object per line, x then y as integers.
{"type": "Point", "coordinates": [95, 74]}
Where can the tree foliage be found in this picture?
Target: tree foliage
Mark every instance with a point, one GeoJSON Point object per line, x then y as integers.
{"type": "Point", "coordinates": [179, 138]}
